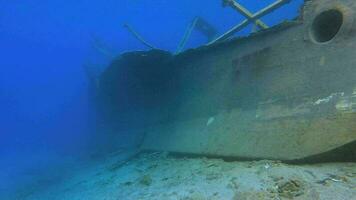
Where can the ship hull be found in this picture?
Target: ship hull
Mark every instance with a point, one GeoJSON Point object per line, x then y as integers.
{"type": "Point", "coordinates": [286, 93]}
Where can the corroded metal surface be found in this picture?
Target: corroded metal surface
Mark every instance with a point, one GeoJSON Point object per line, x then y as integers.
{"type": "Point", "coordinates": [283, 93]}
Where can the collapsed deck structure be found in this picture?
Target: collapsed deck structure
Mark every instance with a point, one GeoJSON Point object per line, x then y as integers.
{"type": "Point", "coordinates": [287, 92]}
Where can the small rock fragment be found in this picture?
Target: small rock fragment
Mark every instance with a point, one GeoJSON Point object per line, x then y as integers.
{"type": "Point", "coordinates": [146, 180]}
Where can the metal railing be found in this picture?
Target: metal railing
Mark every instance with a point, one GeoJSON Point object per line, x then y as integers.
{"type": "Point", "coordinates": [251, 18]}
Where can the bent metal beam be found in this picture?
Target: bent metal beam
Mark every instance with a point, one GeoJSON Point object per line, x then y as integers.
{"type": "Point", "coordinates": [247, 21]}
{"type": "Point", "coordinates": [244, 12]}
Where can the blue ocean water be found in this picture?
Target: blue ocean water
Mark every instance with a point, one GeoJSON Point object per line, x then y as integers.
{"type": "Point", "coordinates": [46, 103]}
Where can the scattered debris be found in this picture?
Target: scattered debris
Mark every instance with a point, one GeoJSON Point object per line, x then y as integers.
{"type": "Point", "coordinates": [332, 178]}
{"type": "Point", "coordinates": [210, 121]}
{"type": "Point", "coordinates": [267, 166]}
{"type": "Point", "coordinates": [290, 188]}
{"type": "Point", "coordinates": [233, 184]}
{"type": "Point", "coordinates": [146, 180]}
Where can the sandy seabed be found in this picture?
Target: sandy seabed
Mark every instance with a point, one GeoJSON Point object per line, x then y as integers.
{"type": "Point", "coordinates": [159, 176]}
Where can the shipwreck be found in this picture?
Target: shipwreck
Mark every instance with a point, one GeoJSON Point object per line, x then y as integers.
{"type": "Point", "coordinates": [287, 92]}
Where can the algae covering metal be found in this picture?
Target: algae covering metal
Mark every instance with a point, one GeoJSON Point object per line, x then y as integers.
{"type": "Point", "coordinates": [288, 92]}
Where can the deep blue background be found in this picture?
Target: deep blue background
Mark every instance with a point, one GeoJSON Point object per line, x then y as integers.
{"type": "Point", "coordinates": [44, 104]}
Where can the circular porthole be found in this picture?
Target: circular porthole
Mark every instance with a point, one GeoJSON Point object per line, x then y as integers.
{"type": "Point", "coordinates": [326, 25]}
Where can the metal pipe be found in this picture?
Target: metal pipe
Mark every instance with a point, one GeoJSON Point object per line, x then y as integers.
{"type": "Point", "coordinates": [186, 36]}
{"type": "Point", "coordinates": [98, 45]}
{"type": "Point", "coordinates": [138, 36]}
{"type": "Point", "coordinates": [244, 23]}
{"type": "Point", "coordinates": [245, 13]}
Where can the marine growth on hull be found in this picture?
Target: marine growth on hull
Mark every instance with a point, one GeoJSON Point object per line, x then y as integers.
{"type": "Point", "coordinates": [284, 93]}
